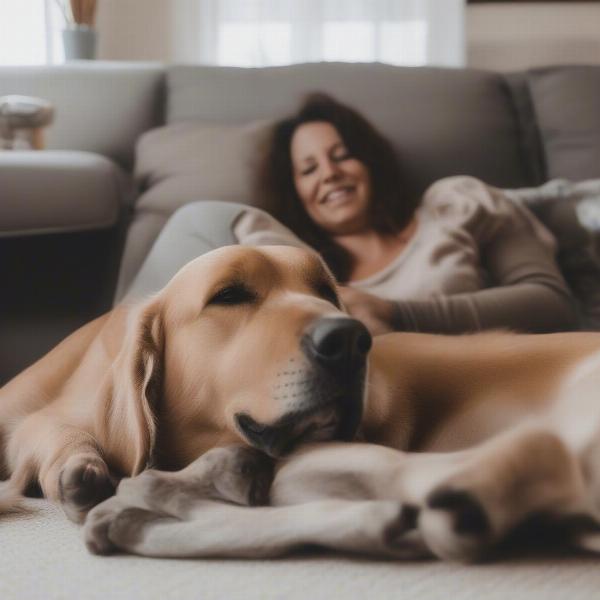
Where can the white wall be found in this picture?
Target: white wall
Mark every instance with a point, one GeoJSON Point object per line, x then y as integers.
{"type": "Point", "coordinates": [502, 36]}
{"type": "Point", "coordinates": [134, 30]}
{"type": "Point", "coordinates": [154, 30]}
{"type": "Point", "coordinates": [507, 36]}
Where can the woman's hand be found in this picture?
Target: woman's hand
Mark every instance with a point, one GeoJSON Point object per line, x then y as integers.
{"type": "Point", "coordinates": [373, 311]}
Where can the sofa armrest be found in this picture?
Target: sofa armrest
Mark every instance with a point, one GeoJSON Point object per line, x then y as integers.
{"type": "Point", "coordinates": [59, 191]}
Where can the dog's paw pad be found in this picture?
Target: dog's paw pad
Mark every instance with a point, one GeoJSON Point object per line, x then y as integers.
{"type": "Point", "coordinates": [407, 520]}
{"type": "Point", "coordinates": [82, 485]}
{"type": "Point", "coordinates": [126, 529]}
{"type": "Point", "coordinates": [455, 525]}
{"type": "Point", "coordinates": [469, 516]}
{"type": "Point", "coordinates": [96, 531]}
{"type": "Point", "coordinates": [402, 536]}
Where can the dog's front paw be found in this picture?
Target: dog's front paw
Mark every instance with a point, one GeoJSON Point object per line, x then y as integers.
{"type": "Point", "coordinates": [83, 483]}
{"type": "Point", "coordinates": [97, 522]}
{"type": "Point", "coordinates": [455, 525]}
{"type": "Point", "coordinates": [239, 474]}
{"type": "Point", "coordinates": [381, 528]}
{"type": "Point", "coordinates": [113, 526]}
{"type": "Point", "coordinates": [234, 474]}
{"type": "Point", "coordinates": [151, 489]}
{"type": "Point", "coordinates": [402, 536]}
{"type": "Point", "coordinates": [127, 529]}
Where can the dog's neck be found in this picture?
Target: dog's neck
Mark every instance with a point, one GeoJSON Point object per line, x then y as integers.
{"type": "Point", "coordinates": [389, 415]}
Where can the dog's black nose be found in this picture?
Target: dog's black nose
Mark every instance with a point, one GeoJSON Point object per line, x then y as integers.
{"type": "Point", "coordinates": [338, 342]}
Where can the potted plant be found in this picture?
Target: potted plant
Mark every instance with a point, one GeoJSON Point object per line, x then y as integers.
{"type": "Point", "coordinates": [79, 35]}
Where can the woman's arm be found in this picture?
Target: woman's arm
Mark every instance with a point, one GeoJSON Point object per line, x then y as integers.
{"type": "Point", "coordinates": [529, 295]}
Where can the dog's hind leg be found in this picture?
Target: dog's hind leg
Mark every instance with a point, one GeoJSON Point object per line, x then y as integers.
{"type": "Point", "coordinates": [463, 502]}
{"type": "Point", "coordinates": [497, 486]}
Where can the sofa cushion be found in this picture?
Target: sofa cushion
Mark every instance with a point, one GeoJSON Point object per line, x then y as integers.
{"type": "Point", "coordinates": [566, 102]}
{"type": "Point", "coordinates": [59, 191]}
{"type": "Point", "coordinates": [142, 233]}
{"type": "Point", "coordinates": [184, 162]}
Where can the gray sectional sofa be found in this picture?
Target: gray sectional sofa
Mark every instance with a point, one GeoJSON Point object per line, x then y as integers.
{"type": "Point", "coordinates": [131, 143]}
{"type": "Point", "coordinates": [77, 219]}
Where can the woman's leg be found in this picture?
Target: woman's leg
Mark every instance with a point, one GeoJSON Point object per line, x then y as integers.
{"type": "Point", "coordinates": [193, 230]}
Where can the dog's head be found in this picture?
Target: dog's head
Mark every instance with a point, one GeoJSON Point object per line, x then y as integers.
{"type": "Point", "coordinates": [255, 345]}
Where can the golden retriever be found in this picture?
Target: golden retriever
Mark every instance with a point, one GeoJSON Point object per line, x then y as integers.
{"type": "Point", "coordinates": [245, 354]}
{"type": "Point", "coordinates": [230, 342]}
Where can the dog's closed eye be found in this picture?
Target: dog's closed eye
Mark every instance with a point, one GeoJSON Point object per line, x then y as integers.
{"type": "Point", "coordinates": [327, 291]}
{"type": "Point", "coordinates": [233, 294]}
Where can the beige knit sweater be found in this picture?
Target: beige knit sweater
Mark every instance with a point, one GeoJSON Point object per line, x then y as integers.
{"type": "Point", "coordinates": [476, 261]}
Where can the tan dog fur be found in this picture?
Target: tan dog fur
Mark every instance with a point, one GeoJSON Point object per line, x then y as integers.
{"type": "Point", "coordinates": [490, 416]}
{"type": "Point", "coordinates": [482, 432]}
{"type": "Point", "coordinates": [92, 403]}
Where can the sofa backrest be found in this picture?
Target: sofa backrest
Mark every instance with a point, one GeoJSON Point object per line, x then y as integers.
{"type": "Point", "coordinates": [441, 121]}
{"type": "Point", "coordinates": [566, 105]}
{"type": "Point", "coordinates": [100, 107]}
{"type": "Point", "coordinates": [511, 130]}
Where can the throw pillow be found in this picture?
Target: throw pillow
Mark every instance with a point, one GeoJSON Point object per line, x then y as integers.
{"type": "Point", "coordinates": [190, 161]}
{"type": "Point", "coordinates": [571, 211]}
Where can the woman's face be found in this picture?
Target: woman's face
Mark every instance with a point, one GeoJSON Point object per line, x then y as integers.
{"type": "Point", "coordinates": [334, 187]}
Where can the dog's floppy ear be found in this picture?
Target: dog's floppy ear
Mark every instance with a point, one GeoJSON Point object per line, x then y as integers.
{"type": "Point", "coordinates": [137, 375]}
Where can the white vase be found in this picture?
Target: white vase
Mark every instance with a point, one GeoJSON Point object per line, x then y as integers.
{"type": "Point", "coordinates": [79, 42]}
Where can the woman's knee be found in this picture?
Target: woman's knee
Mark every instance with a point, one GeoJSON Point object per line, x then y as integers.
{"type": "Point", "coordinates": [203, 211]}
{"type": "Point", "coordinates": [208, 220]}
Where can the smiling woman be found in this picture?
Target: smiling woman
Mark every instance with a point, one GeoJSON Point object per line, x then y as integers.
{"type": "Point", "coordinates": [337, 199]}
{"type": "Point", "coordinates": [332, 178]}
{"type": "Point", "coordinates": [463, 257]}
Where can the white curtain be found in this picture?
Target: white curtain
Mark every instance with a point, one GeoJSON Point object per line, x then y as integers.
{"type": "Point", "coordinates": [247, 32]}
{"type": "Point", "coordinates": [276, 32]}
{"type": "Point", "coordinates": [30, 32]}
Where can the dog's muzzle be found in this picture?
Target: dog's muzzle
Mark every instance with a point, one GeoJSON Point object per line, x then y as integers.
{"type": "Point", "coordinates": [337, 344]}
{"type": "Point", "coordinates": [337, 349]}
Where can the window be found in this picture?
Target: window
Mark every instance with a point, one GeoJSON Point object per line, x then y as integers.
{"type": "Point", "coordinates": [30, 32]}
{"type": "Point", "coordinates": [264, 32]}
{"type": "Point", "coordinates": [275, 32]}
{"type": "Point", "coordinates": [245, 45]}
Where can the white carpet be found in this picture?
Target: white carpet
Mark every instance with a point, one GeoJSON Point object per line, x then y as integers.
{"type": "Point", "coordinates": [42, 556]}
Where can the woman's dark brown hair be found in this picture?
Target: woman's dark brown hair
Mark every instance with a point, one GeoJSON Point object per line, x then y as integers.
{"type": "Point", "coordinates": [390, 210]}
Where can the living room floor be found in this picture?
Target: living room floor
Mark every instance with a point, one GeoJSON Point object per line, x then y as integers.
{"type": "Point", "coordinates": [43, 556]}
